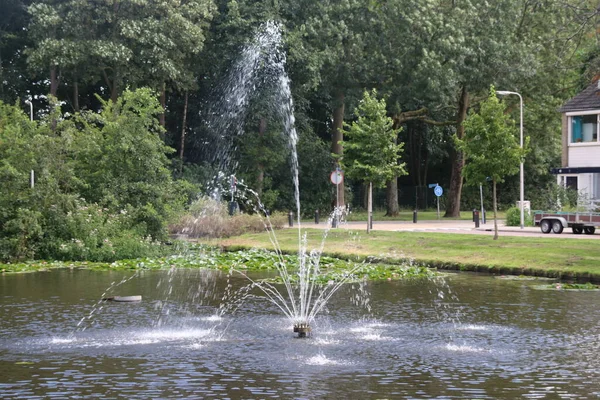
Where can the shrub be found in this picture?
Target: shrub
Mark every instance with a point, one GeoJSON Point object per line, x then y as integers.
{"type": "Point", "coordinates": [513, 217]}
{"type": "Point", "coordinates": [93, 233]}
{"type": "Point", "coordinates": [209, 218]}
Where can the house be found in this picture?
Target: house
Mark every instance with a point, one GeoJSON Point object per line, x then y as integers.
{"type": "Point", "coordinates": [580, 164]}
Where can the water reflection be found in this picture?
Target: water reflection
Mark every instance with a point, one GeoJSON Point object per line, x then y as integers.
{"type": "Point", "coordinates": [483, 338]}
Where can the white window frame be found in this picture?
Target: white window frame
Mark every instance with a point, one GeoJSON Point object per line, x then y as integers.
{"type": "Point", "coordinates": [570, 116]}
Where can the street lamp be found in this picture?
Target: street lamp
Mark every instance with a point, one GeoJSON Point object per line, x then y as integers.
{"type": "Point", "coordinates": [521, 174]}
{"type": "Point", "coordinates": [32, 174]}
{"type": "Point", "coordinates": [30, 109]}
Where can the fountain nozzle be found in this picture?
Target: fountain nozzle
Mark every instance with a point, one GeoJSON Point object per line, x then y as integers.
{"type": "Point", "coordinates": [302, 330]}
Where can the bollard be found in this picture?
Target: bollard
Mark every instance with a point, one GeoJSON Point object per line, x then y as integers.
{"type": "Point", "coordinates": [317, 217]}
{"type": "Point", "coordinates": [414, 216]}
{"type": "Point", "coordinates": [232, 207]}
{"type": "Point", "coordinates": [291, 219]}
{"type": "Point", "coordinates": [483, 217]}
{"type": "Point", "coordinates": [473, 218]}
{"type": "Point", "coordinates": [371, 220]}
{"type": "Point", "coordinates": [476, 218]}
{"type": "Point", "coordinates": [334, 221]}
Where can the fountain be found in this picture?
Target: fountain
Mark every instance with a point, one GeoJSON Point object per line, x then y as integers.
{"type": "Point", "coordinates": [517, 342]}
{"type": "Point", "coordinates": [303, 300]}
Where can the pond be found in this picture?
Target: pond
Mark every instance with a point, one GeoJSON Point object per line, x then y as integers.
{"type": "Point", "coordinates": [466, 336]}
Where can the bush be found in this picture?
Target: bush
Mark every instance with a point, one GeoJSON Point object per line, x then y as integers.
{"type": "Point", "coordinates": [513, 217]}
{"type": "Point", "coordinates": [209, 218]}
{"type": "Point", "coordinates": [102, 184]}
{"type": "Point", "coordinates": [92, 233]}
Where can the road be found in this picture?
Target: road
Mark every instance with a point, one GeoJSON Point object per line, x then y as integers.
{"type": "Point", "coordinates": [454, 226]}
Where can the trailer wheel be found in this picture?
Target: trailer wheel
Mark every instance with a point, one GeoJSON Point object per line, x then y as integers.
{"type": "Point", "coordinates": [557, 226]}
{"type": "Point", "coordinates": [545, 226]}
{"type": "Point", "coordinates": [589, 230]}
{"type": "Point", "coordinates": [577, 230]}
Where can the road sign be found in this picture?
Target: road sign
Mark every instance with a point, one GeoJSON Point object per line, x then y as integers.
{"type": "Point", "coordinates": [438, 191]}
{"type": "Point", "coordinates": [337, 177]}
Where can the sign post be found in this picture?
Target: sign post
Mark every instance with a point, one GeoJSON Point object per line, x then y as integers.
{"type": "Point", "coordinates": [232, 203]}
{"type": "Point", "coordinates": [336, 178]}
{"type": "Point", "coordinates": [438, 191]}
{"type": "Point", "coordinates": [482, 210]}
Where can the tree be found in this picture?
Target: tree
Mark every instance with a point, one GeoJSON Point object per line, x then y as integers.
{"type": "Point", "coordinates": [124, 42]}
{"type": "Point", "coordinates": [331, 46]}
{"type": "Point", "coordinates": [370, 154]}
{"type": "Point", "coordinates": [490, 147]}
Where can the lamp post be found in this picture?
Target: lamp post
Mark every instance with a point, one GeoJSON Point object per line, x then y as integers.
{"type": "Point", "coordinates": [30, 109]}
{"type": "Point", "coordinates": [521, 174]}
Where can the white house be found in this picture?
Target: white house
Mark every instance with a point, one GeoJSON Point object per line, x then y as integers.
{"type": "Point", "coordinates": [580, 166]}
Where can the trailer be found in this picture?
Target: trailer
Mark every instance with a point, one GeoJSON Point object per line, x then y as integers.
{"type": "Point", "coordinates": [579, 222]}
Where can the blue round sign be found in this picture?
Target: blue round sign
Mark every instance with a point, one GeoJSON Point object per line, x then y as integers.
{"type": "Point", "coordinates": [438, 191]}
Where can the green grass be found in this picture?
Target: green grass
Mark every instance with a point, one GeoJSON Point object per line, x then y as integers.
{"type": "Point", "coordinates": [509, 255]}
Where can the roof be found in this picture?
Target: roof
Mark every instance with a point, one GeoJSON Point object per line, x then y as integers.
{"type": "Point", "coordinates": [588, 99]}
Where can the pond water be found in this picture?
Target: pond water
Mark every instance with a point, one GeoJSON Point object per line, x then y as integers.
{"type": "Point", "coordinates": [471, 336]}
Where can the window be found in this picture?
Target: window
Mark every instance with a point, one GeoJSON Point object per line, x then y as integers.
{"type": "Point", "coordinates": [572, 182]}
{"type": "Point", "coordinates": [584, 128]}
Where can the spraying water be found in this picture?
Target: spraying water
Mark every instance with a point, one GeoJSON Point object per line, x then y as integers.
{"type": "Point", "coordinates": [262, 63]}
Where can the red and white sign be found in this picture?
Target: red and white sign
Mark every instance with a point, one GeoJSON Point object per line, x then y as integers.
{"type": "Point", "coordinates": [337, 177]}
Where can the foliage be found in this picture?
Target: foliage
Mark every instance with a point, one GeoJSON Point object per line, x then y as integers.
{"type": "Point", "coordinates": [576, 286]}
{"type": "Point", "coordinates": [490, 146]}
{"type": "Point", "coordinates": [513, 217]}
{"type": "Point", "coordinates": [102, 188]}
{"type": "Point", "coordinates": [558, 256]}
{"type": "Point", "coordinates": [555, 198]}
{"type": "Point", "coordinates": [370, 154]}
{"type": "Point", "coordinates": [330, 269]}
{"type": "Point", "coordinates": [124, 43]}
{"type": "Point", "coordinates": [208, 218]}
{"type": "Point", "coordinates": [419, 55]}
{"type": "Point", "coordinates": [315, 168]}
{"type": "Point", "coordinates": [123, 160]}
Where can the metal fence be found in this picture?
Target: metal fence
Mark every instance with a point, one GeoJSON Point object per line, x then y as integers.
{"type": "Point", "coordinates": [409, 197]}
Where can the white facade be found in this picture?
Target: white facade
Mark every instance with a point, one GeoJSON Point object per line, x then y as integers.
{"type": "Point", "coordinates": [582, 169]}
{"type": "Point", "coordinates": [581, 142]}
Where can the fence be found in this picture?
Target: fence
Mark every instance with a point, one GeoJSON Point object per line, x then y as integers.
{"type": "Point", "coordinates": [409, 197]}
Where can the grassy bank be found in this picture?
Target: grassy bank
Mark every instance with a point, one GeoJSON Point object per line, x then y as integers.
{"type": "Point", "coordinates": [550, 257]}
{"type": "Point", "coordinates": [568, 259]}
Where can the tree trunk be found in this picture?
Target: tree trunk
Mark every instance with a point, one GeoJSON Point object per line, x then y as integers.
{"type": "Point", "coordinates": [393, 209]}
{"type": "Point", "coordinates": [114, 90]}
{"type": "Point", "coordinates": [370, 208]}
{"type": "Point", "coordinates": [183, 126]}
{"type": "Point", "coordinates": [457, 160]}
{"type": "Point", "coordinates": [337, 136]}
{"type": "Point", "coordinates": [260, 178]}
{"type": "Point", "coordinates": [414, 172]}
{"type": "Point", "coordinates": [418, 155]}
{"type": "Point", "coordinates": [495, 211]}
{"type": "Point", "coordinates": [53, 81]}
{"type": "Point", "coordinates": [391, 195]}
{"type": "Point", "coordinates": [76, 96]}
{"type": "Point", "coordinates": [163, 104]}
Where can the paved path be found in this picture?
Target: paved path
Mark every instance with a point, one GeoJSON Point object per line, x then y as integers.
{"type": "Point", "coordinates": [455, 226]}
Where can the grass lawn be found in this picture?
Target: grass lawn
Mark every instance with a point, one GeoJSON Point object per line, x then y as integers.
{"type": "Point", "coordinates": [508, 255]}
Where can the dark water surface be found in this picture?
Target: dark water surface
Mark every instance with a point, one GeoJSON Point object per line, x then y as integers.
{"type": "Point", "coordinates": [470, 336]}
